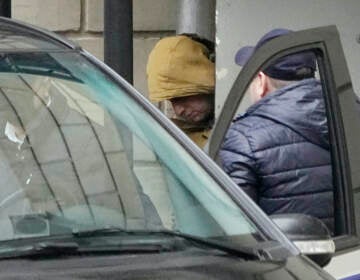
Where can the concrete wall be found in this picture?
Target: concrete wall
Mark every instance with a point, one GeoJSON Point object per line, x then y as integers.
{"type": "Point", "coordinates": [82, 21]}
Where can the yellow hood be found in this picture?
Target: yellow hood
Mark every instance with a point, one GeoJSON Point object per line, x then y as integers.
{"type": "Point", "coordinates": [179, 66]}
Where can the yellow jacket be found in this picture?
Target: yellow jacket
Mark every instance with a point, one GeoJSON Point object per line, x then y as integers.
{"type": "Point", "coordinates": [197, 133]}
{"type": "Point", "coordinates": [179, 66]}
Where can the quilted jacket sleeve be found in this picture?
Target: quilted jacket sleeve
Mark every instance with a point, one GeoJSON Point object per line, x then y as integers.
{"type": "Point", "coordinates": [238, 161]}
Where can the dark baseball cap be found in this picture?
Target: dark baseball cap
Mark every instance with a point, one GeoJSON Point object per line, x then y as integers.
{"type": "Point", "coordinates": [291, 67]}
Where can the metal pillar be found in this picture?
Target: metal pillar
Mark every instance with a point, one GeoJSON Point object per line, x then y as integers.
{"type": "Point", "coordinates": [197, 18]}
{"type": "Point", "coordinates": [5, 8]}
{"type": "Point", "coordinates": [118, 37]}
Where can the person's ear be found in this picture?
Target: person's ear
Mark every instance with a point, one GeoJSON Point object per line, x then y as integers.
{"type": "Point", "coordinates": [258, 87]}
{"type": "Point", "coordinates": [263, 84]}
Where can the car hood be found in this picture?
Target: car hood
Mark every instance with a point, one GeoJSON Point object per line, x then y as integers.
{"type": "Point", "coordinates": [160, 266]}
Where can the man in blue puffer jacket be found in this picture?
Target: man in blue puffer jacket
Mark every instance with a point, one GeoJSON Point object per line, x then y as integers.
{"type": "Point", "coordinates": [278, 151]}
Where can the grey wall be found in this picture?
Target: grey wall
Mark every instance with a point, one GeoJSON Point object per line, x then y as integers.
{"type": "Point", "coordinates": [83, 22]}
{"type": "Point", "coordinates": [243, 22]}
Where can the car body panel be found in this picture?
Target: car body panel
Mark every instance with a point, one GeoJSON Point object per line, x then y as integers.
{"type": "Point", "coordinates": [187, 265]}
{"type": "Point", "coordinates": [345, 266]}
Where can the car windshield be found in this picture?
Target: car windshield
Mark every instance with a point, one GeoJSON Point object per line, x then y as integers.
{"type": "Point", "coordinates": [79, 153]}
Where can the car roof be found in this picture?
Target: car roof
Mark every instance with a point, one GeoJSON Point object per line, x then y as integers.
{"type": "Point", "coordinates": [20, 36]}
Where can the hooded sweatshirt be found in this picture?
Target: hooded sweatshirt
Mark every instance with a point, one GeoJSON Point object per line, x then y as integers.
{"type": "Point", "coordinates": [278, 152]}
{"type": "Point", "coordinates": [179, 66]}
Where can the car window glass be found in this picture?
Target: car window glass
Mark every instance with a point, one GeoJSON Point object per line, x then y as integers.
{"type": "Point", "coordinates": [20, 38]}
{"type": "Point", "coordinates": [76, 148]}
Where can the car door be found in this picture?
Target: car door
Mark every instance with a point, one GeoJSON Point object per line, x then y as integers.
{"type": "Point", "coordinates": [343, 123]}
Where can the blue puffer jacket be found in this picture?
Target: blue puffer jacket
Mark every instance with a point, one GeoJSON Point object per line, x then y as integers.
{"type": "Point", "coordinates": [278, 152]}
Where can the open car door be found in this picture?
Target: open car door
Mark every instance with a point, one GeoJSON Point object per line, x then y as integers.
{"type": "Point", "coordinates": [343, 117]}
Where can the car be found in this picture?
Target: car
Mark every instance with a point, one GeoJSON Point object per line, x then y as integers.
{"type": "Point", "coordinates": [97, 183]}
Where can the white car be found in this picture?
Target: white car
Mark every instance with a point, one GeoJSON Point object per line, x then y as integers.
{"type": "Point", "coordinates": [97, 183]}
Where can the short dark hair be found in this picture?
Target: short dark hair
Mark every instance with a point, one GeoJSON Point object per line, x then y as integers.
{"type": "Point", "coordinates": [303, 72]}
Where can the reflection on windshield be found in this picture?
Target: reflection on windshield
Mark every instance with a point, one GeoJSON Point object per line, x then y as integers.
{"type": "Point", "coordinates": [75, 145]}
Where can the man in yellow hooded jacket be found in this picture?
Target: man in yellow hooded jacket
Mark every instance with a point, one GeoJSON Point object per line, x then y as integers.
{"type": "Point", "coordinates": [179, 70]}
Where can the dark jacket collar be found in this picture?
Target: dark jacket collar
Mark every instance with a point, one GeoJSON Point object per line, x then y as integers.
{"type": "Point", "coordinates": [299, 106]}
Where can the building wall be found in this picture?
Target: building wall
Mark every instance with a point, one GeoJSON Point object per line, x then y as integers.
{"type": "Point", "coordinates": [82, 22]}
{"type": "Point", "coordinates": [241, 23]}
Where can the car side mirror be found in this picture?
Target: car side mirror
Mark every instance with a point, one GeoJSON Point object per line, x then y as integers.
{"type": "Point", "coordinates": [309, 234]}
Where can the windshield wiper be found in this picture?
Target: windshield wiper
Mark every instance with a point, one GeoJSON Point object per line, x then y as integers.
{"type": "Point", "coordinates": [57, 248]}
{"type": "Point", "coordinates": [100, 231]}
{"type": "Point", "coordinates": [49, 248]}
{"type": "Point", "coordinates": [243, 252]}
{"type": "Point", "coordinates": [40, 249]}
